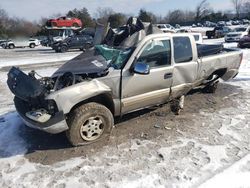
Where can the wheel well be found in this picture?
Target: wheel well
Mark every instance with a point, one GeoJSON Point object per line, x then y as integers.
{"type": "Point", "coordinates": [219, 72]}
{"type": "Point", "coordinates": [103, 99]}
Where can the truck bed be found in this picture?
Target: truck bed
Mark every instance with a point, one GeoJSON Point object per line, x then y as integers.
{"type": "Point", "coordinates": [211, 49]}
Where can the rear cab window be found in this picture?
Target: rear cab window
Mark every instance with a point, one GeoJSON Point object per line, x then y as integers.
{"type": "Point", "coordinates": [182, 49]}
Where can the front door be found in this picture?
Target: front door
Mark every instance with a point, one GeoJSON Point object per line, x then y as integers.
{"type": "Point", "coordinates": [139, 91]}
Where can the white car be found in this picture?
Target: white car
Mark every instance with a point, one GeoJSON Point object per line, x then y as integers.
{"type": "Point", "coordinates": [166, 28]}
{"type": "Point", "coordinates": [237, 34]}
{"type": "Point", "coordinates": [32, 43]}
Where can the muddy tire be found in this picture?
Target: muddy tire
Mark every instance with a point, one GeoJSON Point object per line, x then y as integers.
{"type": "Point", "coordinates": [89, 123]}
{"type": "Point", "coordinates": [211, 88]}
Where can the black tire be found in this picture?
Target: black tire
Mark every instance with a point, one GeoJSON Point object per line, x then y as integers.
{"type": "Point", "coordinates": [87, 46]}
{"type": "Point", "coordinates": [211, 88]}
{"type": "Point", "coordinates": [75, 25]}
{"type": "Point", "coordinates": [64, 49]}
{"type": "Point", "coordinates": [89, 123]}
{"type": "Point", "coordinates": [54, 24]}
{"type": "Point", "coordinates": [32, 45]}
{"type": "Point", "coordinates": [11, 46]}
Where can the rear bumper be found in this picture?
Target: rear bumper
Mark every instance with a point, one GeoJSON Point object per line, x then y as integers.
{"type": "Point", "coordinates": [55, 125]}
{"type": "Point", "coordinates": [230, 74]}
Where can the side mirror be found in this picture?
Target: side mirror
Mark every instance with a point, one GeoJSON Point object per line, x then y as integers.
{"type": "Point", "coordinates": [141, 68]}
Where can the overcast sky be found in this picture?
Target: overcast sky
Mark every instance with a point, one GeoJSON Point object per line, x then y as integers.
{"type": "Point", "coordinates": [35, 9]}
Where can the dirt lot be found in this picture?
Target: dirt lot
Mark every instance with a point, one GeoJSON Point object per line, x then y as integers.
{"type": "Point", "coordinates": [149, 148]}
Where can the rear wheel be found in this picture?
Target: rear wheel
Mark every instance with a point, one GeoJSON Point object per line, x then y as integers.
{"type": "Point", "coordinates": [86, 46]}
{"type": "Point", "coordinates": [211, 88]}
{"type": "Point", "coordinates": [89, 123]}
{"type": "Point", "coordinates": [32, 45]}
{"type": "Point", "coordinates": [176, 105]}
{"type": "Point", "coordinates": [75, 25]}
{"type": "Point", "coordinates": [64, 49]}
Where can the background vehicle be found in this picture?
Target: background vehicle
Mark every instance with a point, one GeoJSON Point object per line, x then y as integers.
{"type": "Point", "coordinates": [81, 42]}
{"type": "Point", "coordinates": [197, 37]}
{"type": "Point", "coordinates": [209, 24]}
{"type": "Point", "coordinates": [244, 42]}
{"type": "Point", "coordinates": [56, 35]}
{"type": "Point", "coordinates": [32, 43]}
{"type": "Point", "coordinates": [166, 28]}
{"type": "Point", "coordinates": [218, 32]}
{"type": "Point", "coordinates": [237, 34]}
{"type": "Point", "coordinates": [64, 22]}
{"type": "Point", "coordinates": [2, 43]}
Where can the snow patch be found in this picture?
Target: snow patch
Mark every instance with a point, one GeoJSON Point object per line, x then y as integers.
{"type": "Point", "coordinates": [233, 177]}
{"type": "Point", "coordinates": [11, 142]}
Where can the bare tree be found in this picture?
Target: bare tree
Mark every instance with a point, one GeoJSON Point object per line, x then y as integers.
{"type": "Point", "coordinates": [103, 14]}
{"type": "Point", "coordinates": [176, 16]}
{"type": "Point", "coordinates": [202, 10]}
{"type": "Point", "coordinates": [237, 6]}
{"type": "Point", "coordinates": [246, 7]}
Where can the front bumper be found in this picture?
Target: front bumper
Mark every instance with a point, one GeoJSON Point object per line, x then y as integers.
{"type": "Point", "coordinates": [55, 125]}
{"type": "Point", "coordinates": [233, 39]}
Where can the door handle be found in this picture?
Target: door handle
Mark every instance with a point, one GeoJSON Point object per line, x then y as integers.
{"type": "Point", "coordinates": [168, 75]}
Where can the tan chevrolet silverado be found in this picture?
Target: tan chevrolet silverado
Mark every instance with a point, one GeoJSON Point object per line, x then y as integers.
{"type": "Point", "coordinates": [141, 70]}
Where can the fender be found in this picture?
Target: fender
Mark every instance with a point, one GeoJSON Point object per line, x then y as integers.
{"type": "Point", "coordinates": [68, 97]}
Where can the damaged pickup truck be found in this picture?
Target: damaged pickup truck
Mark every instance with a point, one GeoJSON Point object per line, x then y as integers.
{"type": "Point", "coordinates": [134, 67]}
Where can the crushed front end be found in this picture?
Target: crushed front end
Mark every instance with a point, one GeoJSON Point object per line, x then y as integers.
{"type": "Point", "coordinates": [31, 104]}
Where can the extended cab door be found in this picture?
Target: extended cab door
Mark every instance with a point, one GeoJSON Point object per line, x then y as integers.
{"type": "Point", "coordinates": [139, 91]}
{"type": "Point", "coordinates": [185, 65]}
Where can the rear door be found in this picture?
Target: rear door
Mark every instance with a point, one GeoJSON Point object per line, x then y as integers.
{"type": "Point", "coordinates": [139, 91]}
{"type": "Point", "coordinates": [186, 65]}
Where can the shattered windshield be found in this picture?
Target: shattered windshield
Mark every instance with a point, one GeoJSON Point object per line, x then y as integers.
{"type": "Point", "coordinates": [115, 57]}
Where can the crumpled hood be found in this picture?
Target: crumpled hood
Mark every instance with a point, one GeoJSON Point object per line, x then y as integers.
{"type": "Point", "coordinates": [85, 63]}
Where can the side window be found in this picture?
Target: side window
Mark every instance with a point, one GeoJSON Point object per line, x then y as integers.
{"type": "Point", "coordinates": [182, 49]}
{"type": "Point", "coordinates": [156, 54]}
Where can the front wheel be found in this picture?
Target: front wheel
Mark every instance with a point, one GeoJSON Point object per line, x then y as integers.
{"type": "Point", "coordinates": [89, 123]}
